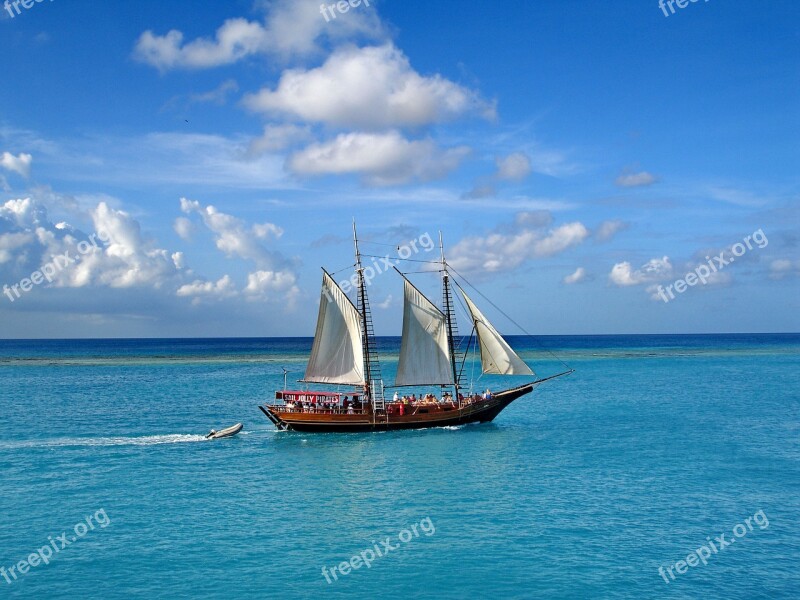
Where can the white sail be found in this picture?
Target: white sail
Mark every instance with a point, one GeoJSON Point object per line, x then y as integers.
{"type": "Point", "coordinates": [424, 351]}
{"type": "Point", "coordinates": [337, 355]}
{"type": "Point", "coordinates": [497, 357]}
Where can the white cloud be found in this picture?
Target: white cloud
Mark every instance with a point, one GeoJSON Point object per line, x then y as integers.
{"type": "Point", "coordinates": [179, 260]}
{"type": "Point", "coordinates": [479, 192]}
{"type": "Point", "coordinates": [386, 303]}
{"type": "Point", "coordinates": [553, 163]}
{"type": "Point", "coordinates": [266, 230]}
{"type": "Point", "coordinates": [235, 39]}
{"type": "Point", "coordinates": [507, 248]}
{"type": "Point", "coordinates": [273, 285]}
{"type": "Point", "coordinates": [533, 218]}
{"type": "Point", "coordinates": [656, 269]}
{"type": "Point", "coordinates": [29, 240]}
{"type": "Point", "coordinates": [200, 290]}
{"type": "Point", "coordinates": [514, 167]}
{"type": "Point", "coordinates": [783, 267]}
{"type": "Point", "coordinates": [735, 196]}
{"type": "Point", "coordinates": [608, 229]}
{"type": "Point", "coordinates": [643, 178]}
{"type": "Point", "coordinates": [20, 164]}
{"type": "Point", "coordinates": [578, 276]}
{"type": "Point", "coordinates": [218, 95]}
{"type": "Point", "coordinates": [380, 158]}
{"type": "Point", "coordinates": [183, 227]}
{"type": "Point", "coordinates": [278, 137]}
{"type": "Point", "coordinates": [291, 28]}
{"type": "Point", "coordinates": [233, 236]}
{"type": "Point", "coordinates": [372, 87]}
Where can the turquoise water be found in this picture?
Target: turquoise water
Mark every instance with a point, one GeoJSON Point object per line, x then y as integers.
{"type": "Point", "coordinates": [582, 490]}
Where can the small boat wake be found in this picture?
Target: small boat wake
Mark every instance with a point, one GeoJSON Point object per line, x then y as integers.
{"type": "Point", "coordinates": [147, 440]}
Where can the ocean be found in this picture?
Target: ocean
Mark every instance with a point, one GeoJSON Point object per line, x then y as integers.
{"type": "Point", "coordinates": [664, 467]}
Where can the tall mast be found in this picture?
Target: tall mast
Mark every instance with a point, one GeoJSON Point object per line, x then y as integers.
{"type": "Point", "coordinates": [448, 310]}
{"type": "Point", "coordinates": [362, 306]}
{"type": "Point", "coordinates": [373, 384]}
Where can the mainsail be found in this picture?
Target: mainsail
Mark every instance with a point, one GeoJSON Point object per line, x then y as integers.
{"type": "Point", "coordinates": [337, 355]}
{"type": "Point", "coordinates": [497, 357]}
{"type": "Point", "coordinates": [424, 350]}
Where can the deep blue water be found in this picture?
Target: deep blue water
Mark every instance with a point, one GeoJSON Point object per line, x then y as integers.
{"type": "Point", "coordinates": [653, 446]}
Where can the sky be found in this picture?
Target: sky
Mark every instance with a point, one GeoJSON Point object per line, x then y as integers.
{"type": "Point", "coordinates": [175, 169]}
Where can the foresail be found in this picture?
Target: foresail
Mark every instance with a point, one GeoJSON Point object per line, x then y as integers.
{"type": "Point", "coordinates": [424, 350]}
{"type": "Point", "coordinates": [497, 357]}
{"type": "Point", "coordinates": [337, 355]}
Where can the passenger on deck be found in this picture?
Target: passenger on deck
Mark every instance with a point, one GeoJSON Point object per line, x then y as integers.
{"type": "Point", "coordinates": [396, 397]}
{"type": "Point", "coordinates": [413, 398]}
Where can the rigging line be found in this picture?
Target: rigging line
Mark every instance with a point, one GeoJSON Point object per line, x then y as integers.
{"type": "Point", "coordinates": [466, 352]}
{"type": "Point", "coordinates": [343, 269]}
{"type": "Point", "coordinates": [380, 244]}
{"type": "Point", "coordinates": [466, 313]}
{"type": "Point", "coordinates": [498, 309]}
{"type": "Point", "coordinates": [431, 262]}
{"type": "Point", "coordinates": [416, 272]}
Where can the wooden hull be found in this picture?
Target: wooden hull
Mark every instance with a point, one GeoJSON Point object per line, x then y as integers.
{"type": "Point", "coordinates": [482, 411]}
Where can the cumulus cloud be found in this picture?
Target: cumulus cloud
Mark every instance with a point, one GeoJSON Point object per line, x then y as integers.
{"type": "Point", "coordinates": [234, 237]}
{"type": "Point", "coordinates": [641, 179]}
{"type": "Point", "coordinates": [509, 246]}
{"type": "Point", "coordinates": [656, 269]}
{"type": "Point", "coordinates": [367, 88]}
{"type": "Point", "coordinates": [183, 227]}
{"type": "Point", "coordinates": [29, 240]}
{"type": "Point", "coordinates": [264, 231]}
{"type": "Point", "coordinates": [116, 254]}
{"type": "Point", "coordinates": [291, 29]}
{"type": "Point", "coordinates": [608, 229]}
{"type": "Point", "coordinates": [235, 39]}
{"type": "Point", "coordinates": [200, 290]}
{"type": "Point", "coordinates": [272, 285]}
{"type": "Point", "coordinates": [514, 167]}
{"type": "Point", "coordinates": [380, 158]}
{"type": "Point", "coordinates": [578, 276]}
{"type": "Point", "coordinates": [20, 164]}
{"type": "Point", "coordinates": [278, 137]}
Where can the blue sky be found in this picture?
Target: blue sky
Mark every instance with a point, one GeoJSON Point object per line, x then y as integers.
{"type": "Point", "coordinates": [575, 156]}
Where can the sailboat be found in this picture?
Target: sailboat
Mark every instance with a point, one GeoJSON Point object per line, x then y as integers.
{"type": "Point", "coordinates": [344, 355]}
